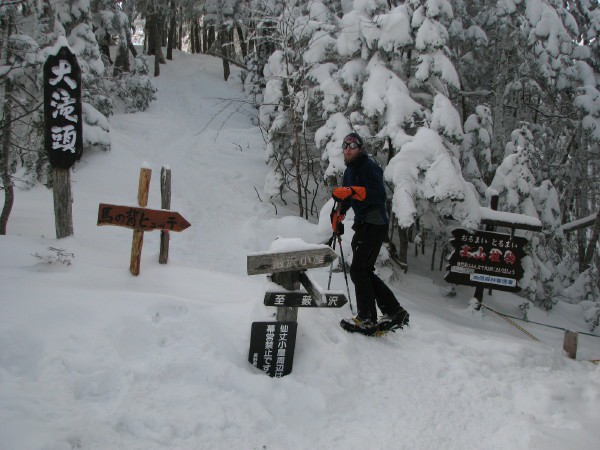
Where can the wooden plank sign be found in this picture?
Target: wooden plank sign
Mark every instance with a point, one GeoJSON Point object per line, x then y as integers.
{"type": "Point", "coordinates": [275, 262]}
{"type": "Point", "coordinates": [486, 259]}
{"type": "Point", "coordinates": [63, 109]}
{"type": "Point", "coordinates": [141, 219]}
{"type": "Point", "coordinates": [272, 347]}
{"type": "Point", "coordinates": [304, 299]}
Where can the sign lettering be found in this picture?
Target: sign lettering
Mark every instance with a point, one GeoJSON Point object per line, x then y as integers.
{"type": "Point", "coordinates": [272, 347]}
{"type": "Point", "coordinates": [63, 109]}
{"type": "Point", "coordinates": [142, 219]}
{"type": "Point", "coordinates": [301, 299]}
{"type": "Point", "coordinates": [290, 261]}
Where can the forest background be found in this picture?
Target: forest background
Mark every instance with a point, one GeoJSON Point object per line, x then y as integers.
{"type": "Point", "coordinates": [457, 100]}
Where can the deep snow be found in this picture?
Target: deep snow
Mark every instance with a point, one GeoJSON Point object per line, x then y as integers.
{"type": "Point", "coordinates": [94, 358]}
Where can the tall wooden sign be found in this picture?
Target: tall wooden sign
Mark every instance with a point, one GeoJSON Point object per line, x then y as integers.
{"type": "Point", "coordinates": [63, 130]}
{"type": "Point", "coordinates": [272, 343]}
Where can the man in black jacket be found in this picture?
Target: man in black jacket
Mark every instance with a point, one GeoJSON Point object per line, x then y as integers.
{"type": "Point", "coordinates": [363, 191]}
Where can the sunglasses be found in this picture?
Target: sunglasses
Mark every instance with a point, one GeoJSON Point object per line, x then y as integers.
{"type": "Point", "coordinates": [352, 145]}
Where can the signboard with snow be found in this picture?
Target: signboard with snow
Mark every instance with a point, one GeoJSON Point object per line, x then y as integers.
{"type": "Point", "coordinates": [289, 261]}
{"type": "Point", "coordinates": [272, 347]}
{"type": "Point", "coordinates": [486, 259]}
{"type": "Point", "coordinates": [63, 130]}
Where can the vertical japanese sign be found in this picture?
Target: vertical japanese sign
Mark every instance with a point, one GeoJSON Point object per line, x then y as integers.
{"type": "Point", "coordinates": [487, 259]}
{"type": "Point", "coordinates": [272, 347]}
{"type": "Point", "coordinates": [62, 109]}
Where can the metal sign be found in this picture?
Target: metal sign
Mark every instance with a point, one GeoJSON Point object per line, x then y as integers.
{"type": "Point", "coordinates": [487, 259]}
{"type": "Point", "coordinates": [142, 219]}
{"type": "Point", "coordinates": [301, 299]}
{"type": "Point", "coordinates": [63, 128]}
{"type": "Point", "coordinates": [272, 347]}
{"type": "Point", "coordinates": [290, 261]}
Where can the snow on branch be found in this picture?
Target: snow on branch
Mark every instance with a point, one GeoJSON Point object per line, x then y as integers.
{"type": "Point", "coordinates": [579, 224]}
{"type": "Point", "coordinates": [425, 170]}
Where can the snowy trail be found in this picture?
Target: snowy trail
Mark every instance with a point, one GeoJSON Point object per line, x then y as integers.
{"type": "Point", "coordinates": [93, 358]}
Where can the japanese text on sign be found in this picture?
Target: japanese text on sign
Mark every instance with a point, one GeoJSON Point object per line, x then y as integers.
{"type": "Point", "coordinates": [134, 218]}
{"type": "Point", "coordinates": [63, 132]}
{"type": "Point", "coordinates": [62, 105]}
{"type": "Point", "coordinates": [486, 258]}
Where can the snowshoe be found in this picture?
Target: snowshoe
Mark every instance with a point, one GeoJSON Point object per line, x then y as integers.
{"type": "Point", "coordinates": [358, 325]}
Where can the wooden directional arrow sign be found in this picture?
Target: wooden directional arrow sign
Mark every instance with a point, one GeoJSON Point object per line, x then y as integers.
{"type": "Point", "coordinates": [290, 261]}
{"type": "Point", "coordinates": [304, 299]}
{"type": "Point", "coordinates": [141, 219]}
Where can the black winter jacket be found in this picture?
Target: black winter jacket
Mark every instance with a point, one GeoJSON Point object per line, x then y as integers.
{"type": "Point", "coordinates": [365, 172]}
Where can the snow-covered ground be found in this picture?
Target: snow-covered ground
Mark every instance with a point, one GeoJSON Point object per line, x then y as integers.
{"type": "Point", "coordinates": [94, 358]}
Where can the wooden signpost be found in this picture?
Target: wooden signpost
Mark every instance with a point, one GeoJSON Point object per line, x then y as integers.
{"type": "Point", "coordinates": [63, 131]}
{"type": "Point", "coordinates": [288, 269]}
{"type": "Point", "coordinates": [485, 259]}
{"type": "Point", "coordinates": [141, 219]}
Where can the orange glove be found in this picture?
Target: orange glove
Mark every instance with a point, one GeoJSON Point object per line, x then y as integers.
{"type": "Point", "coordinates": [336, 222]}
{"type": "Point", "coordinates": [356, 192]}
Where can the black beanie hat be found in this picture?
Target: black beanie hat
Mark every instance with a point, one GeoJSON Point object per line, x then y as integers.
{"type": "Point", "coordinates": [355, 137]}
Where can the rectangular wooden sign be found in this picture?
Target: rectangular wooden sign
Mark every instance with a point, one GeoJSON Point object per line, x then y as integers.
{"type": "Point", "coordinates": [290, 261]}
{"type": "Point", "coordinates": [487, 259]}
{"type": "Point", "coordinates": [141, 219]}
{"type": "Point", "coordinates": [304, 299]}
{"type": "Point", "coordinates": [272, 347]}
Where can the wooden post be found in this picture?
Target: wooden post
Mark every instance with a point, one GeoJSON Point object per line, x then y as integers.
{"type": "Point", "coordinates": [479, 289]}
{"type": "Point", "coordinates": [290, 281]}
{"type": "Point", "coordinates": [570, 344]}
{"type": "Point", "coordinates": [63, 202]}
{"type": "Point", "coordinates": [138, 236]}
{"type": "Point", "coordinates": [165, 195]}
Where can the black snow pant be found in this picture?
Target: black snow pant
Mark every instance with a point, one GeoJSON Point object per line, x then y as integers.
{"type": "Point", "coordinates": [369, 288]}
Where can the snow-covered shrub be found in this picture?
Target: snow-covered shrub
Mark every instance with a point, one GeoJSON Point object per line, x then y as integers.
{"type": "Point", "coordinates": [135, 88]}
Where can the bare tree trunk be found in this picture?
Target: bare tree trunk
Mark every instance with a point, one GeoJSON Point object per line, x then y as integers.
{"type": "Point", "coordinates": [403, 246]}
{"type": "Point", "coordinates": [156, 56]}
{"type": "Point", "coordinates": [193, 48]}
{"type": "Point", "coordinates": [9, 195]}
{"type": "Point", "coordinates": [159, 58]}
{"type": "Point", "coordinates": [7, 183]}
{"type": "Point", "coordinates": [243, 46]}
{"type": "Point", "coordinates": [122, 59]}
{"type": "Point", "coordinates": [196, 37]}
{"type": "Point", "coordinates": [223, 38]}
{"type": "Point", "coordinates": [591, 247]}
{"type": "Point", "coordinates": [104, 44]}
{"type": "Point", "coordinates": [180, 33]}
{"type": "Point", "coordinates": [210, 38]}
{"type": "Point", "coordinates": [171, 34]}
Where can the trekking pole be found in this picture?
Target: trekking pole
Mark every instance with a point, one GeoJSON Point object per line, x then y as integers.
{"type": "Point", "coordinates": [337, 207]}
{"type": "Point", "coordinates": [332, 241]}
{"type": "Point", "coordinates": [332, 262]}
{"type": "Point", "coordinates": [345, 273]}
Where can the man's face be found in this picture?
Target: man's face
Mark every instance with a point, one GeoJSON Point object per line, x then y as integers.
{"type": "Point", "coordinates": [351, 150]}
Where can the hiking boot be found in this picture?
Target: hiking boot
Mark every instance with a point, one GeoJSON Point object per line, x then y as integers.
{"type": "Point", "coordinates": [392, 321]}
{"type": "Point", "coordinates": [356, 324]}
